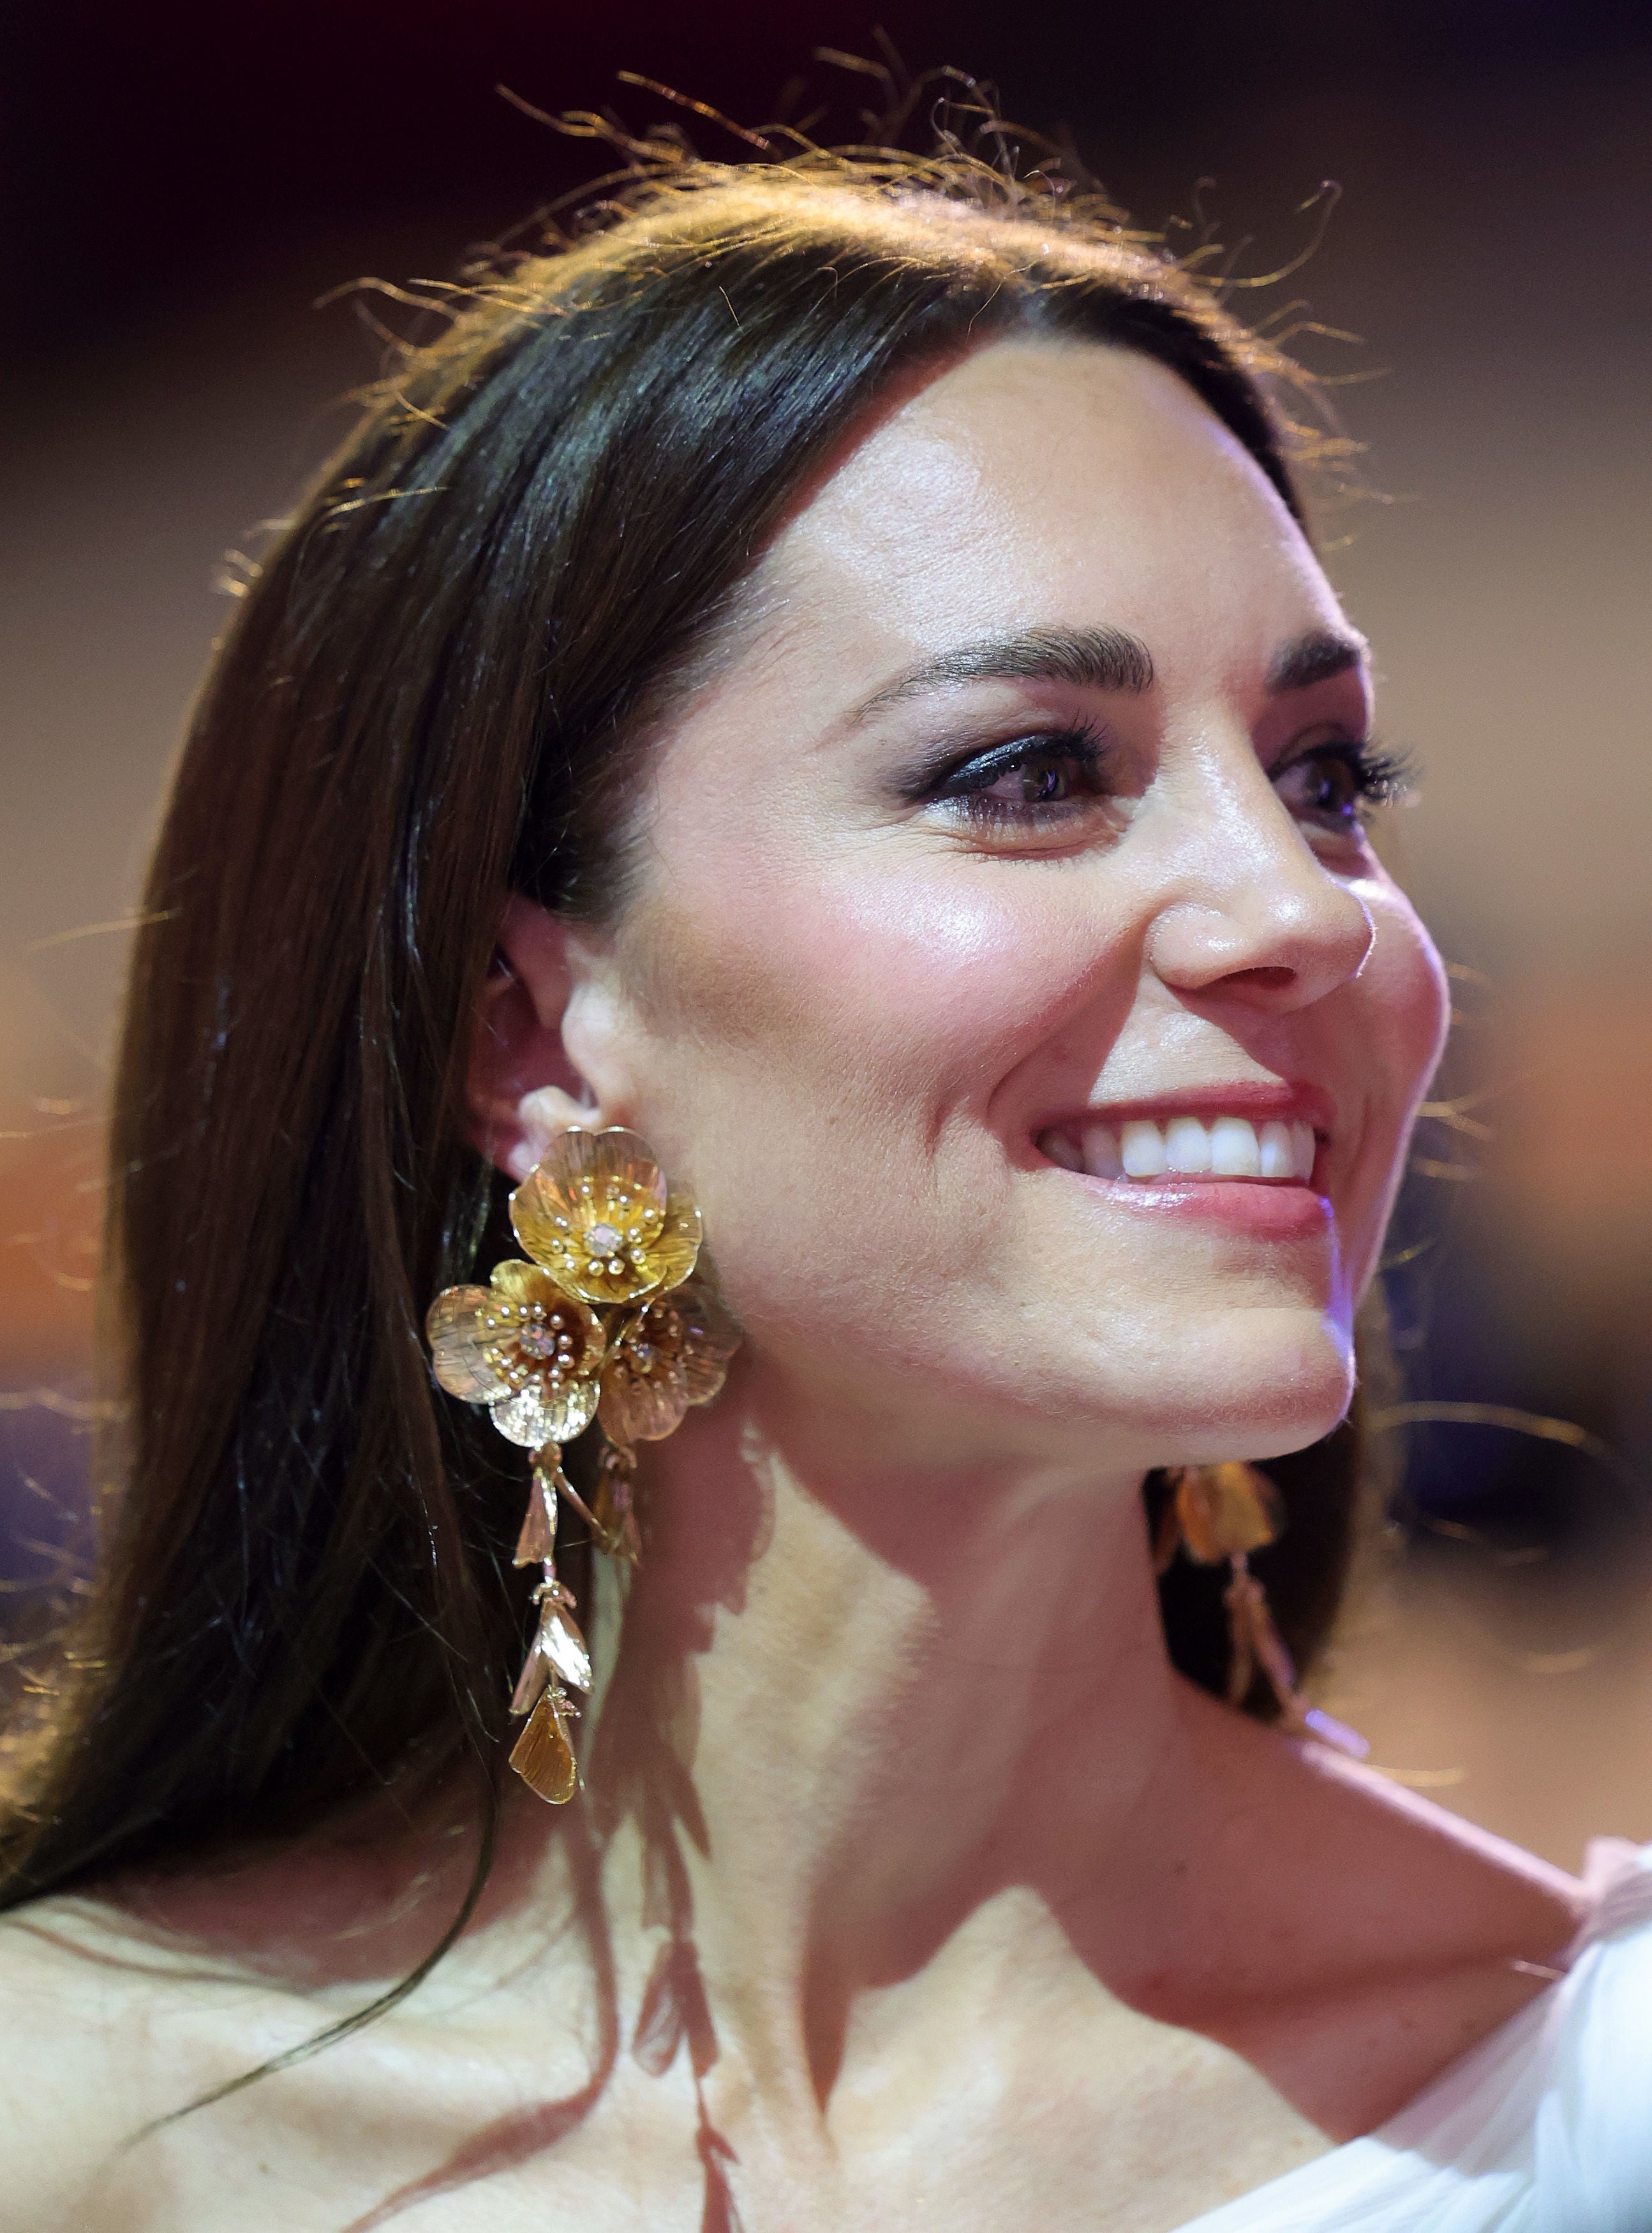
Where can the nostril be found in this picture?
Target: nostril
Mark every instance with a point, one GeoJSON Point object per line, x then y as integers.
{"type": "Point", "coordinates": [1275, 978]}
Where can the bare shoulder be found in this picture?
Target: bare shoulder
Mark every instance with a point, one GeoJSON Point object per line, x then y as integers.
{"type": "Point", "coordinates": [107, 2031]}
{"type": "Point", "coordinates": [1431, 1881]}
{"type": "Point", "coordinates": [1376, 1937]}
{"type": "Point", "coordinates": [1371, 1872]}
{"type": "Point", "coordinates": [111, 2024]}
{"type": "Point", "coordinates": [90, 2022]}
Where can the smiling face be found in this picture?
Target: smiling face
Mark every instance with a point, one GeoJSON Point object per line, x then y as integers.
{"type": "Point", "coordinates": [1013, 855]}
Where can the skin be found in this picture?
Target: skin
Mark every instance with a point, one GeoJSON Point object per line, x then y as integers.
{"type": "Point", "coordinates": [999, 1921]}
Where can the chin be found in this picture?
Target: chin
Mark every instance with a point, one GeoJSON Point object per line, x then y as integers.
{"type": "Point", "coordinates": [1282, 1381]}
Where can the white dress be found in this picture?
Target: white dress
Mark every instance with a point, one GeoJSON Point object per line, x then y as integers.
{"type": "Point", "coordinates": [1545, 2127]}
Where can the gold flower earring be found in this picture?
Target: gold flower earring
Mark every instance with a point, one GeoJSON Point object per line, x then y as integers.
{"type": "Point", "coordinates": [1225, 1512]}
{"type": "Point", "coordinates": [611, 1321]}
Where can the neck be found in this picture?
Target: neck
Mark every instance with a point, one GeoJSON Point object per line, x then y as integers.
{"type": "Point", "coordinates": [852, 1706]}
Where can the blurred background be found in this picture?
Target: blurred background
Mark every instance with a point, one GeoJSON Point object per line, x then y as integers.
{"type": "Point", "coordinates": [179, 189]}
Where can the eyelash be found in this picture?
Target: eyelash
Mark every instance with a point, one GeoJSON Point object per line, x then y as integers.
{"type": "Point", "coordinates": [965, 786]}
{"type": "Point", "coordinates": [1378, 776]}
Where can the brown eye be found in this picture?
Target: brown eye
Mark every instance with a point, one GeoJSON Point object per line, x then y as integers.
{"type": "Point", "coordinates": [1024, 782]}
{"type": "Point", "coordinates": [1324, 787]}
{"type": "Point", "coordinates": [1044, 781]}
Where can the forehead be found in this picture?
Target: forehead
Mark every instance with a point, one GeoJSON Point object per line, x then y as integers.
{"type": "Point", "coordinates": [1041, 480]}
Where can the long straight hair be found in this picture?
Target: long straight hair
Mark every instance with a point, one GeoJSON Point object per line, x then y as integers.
{"type": "Point", "coordinates": [429, 697]}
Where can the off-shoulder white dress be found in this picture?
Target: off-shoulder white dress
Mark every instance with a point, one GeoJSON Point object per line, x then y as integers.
{"type": "Point", "coordinates": [1545, 2127]}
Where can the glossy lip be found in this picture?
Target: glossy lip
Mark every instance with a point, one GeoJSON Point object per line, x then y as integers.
{"type": "Point", "coordinates": [1279, 1209]}
{"type": "Point", "coordinates": [1267, 1209]}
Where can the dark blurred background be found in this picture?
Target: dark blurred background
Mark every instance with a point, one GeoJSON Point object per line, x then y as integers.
{"type": "Point", "coordinates": [179, 188]}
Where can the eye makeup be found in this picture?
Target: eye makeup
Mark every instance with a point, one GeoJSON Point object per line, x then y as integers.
{"type": "Point", "coordinates": [1334, 784]}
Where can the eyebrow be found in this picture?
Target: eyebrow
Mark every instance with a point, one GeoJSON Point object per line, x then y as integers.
{"type": "Point", "coordinates": [1314, 657]}
{"type": "Point", "coordinates": [1089, 658]}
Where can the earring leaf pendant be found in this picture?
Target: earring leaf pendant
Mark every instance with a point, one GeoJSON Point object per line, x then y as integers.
{"type": "Point", "coordinates": [543, 1755]}
{"type": "Point", "coordinates": [1219, 1513]}
{"type": "Point", "coordinates": [612, 1319]}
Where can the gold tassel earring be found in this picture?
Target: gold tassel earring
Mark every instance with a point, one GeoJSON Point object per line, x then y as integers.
{"type": "Point", "coordinates": [1226, 1512]}
{"type": "Point", "coordinates": [613, 1320]}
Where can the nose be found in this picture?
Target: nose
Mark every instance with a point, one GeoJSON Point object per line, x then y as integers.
{"type": "Point", "coordinates": [1251, 911]}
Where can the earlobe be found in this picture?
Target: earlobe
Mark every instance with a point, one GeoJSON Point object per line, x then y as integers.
{"type": "Point", "coordinates": [522, 1088]}
{"type": "Point", "coordinates": [541, 1116]}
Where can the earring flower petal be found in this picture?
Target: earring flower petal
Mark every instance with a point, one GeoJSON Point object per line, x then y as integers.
{"type": "Point", "coordinates": [597, 1214]}
{"type": "Point", "coordinates": [523, 1348]}
{"type": "Point", "coordinates": [458, 1348]}
{"type": "Point", "coordinates": [673, 1352]}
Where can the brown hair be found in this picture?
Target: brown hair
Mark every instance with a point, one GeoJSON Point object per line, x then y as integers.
{"type": "Point", "coordinates": [423, 702]}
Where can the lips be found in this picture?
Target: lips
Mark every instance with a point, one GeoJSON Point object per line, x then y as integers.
{"type": "Point", "coordinates": [1213, 1145]}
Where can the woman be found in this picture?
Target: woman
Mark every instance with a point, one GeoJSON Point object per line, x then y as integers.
{"type": "Point", "coordinates": [828, 676]}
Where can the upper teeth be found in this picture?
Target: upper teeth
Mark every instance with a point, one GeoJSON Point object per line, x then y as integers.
{"type": "Point", "coordinates": [1219, 1146]}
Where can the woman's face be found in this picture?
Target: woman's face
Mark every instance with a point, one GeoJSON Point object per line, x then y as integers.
{"type": "Point", "coordinates": [1008, 972]}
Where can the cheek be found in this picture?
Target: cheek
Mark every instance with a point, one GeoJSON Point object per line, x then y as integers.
{"type": "Point", "coordinates": [1412, 996]}
{"type": "Point", "coordinates": [916, 994]}
{"type": "Point", "coordinates": [827, 1053]}
{"type": "Point", "coordinates": [1405, 1014]}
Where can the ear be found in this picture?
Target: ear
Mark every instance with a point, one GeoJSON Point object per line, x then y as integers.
{"type": "Point", "coordinates": [522, 1088]}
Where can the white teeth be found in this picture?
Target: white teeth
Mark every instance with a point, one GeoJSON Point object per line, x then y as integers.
{"type": "Point", "coordinates": [1278, 1156]}
{"type": "Point", "coordinates": [1186, 1147]}
{"type": "Point", "coordinates": [1234, 1153]}
{"type": "Point", "coordinates": [1102, 1152]}
{"type": "Point", "coordinates": [1142, 1149]}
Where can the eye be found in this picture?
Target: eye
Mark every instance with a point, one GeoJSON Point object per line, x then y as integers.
{"type": "Point", "coordinates": [1332, 786]}
{"type": "Point", "coordinates": [1027, 781]}
{"type": "Point", "coordinates": [1041, 778]}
